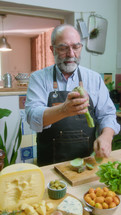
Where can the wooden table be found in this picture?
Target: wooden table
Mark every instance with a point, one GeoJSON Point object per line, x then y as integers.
{"type": "Point", "coordinates": [78, 191]}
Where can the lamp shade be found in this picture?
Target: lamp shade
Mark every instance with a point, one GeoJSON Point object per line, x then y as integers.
{"type": "Point", "coordinates": [4, 45]}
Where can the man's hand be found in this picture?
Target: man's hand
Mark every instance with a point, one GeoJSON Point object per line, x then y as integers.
{"type": "Point", "coordinates": [75, 105]}
{"type": "Point", "coordinates": [103, 144]}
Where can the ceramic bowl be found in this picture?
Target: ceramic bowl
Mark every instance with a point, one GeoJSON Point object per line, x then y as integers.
{"type": "Point", "coordinates": [23, 81]}
{"type": "Point", "coordinates": [97, 211]}
{"type": "Point", "coordinates": [22, 76]}
{"type": "Point", "coordinates": [57, 193]}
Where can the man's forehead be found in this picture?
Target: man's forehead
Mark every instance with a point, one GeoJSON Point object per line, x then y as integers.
{"type": "Point", "coordinates": [68, 36]}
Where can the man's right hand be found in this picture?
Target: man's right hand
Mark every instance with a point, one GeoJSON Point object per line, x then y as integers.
{"type": "Point", "coordinates": [75, 105]}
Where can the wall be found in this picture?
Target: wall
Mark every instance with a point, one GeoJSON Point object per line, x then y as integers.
{"type": "Point", "coordinates": [119, 39]}
{"type": "Point", "coordinates": [107, 9]}
{"type": "Point", "coordinates": [19, 59]}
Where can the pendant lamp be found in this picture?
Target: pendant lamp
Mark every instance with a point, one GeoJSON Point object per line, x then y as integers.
{"type": "Point", "coordinates": [4, 45]}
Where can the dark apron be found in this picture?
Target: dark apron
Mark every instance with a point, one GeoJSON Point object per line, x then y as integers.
{"type": "Point", "coordinates": [68, 138]}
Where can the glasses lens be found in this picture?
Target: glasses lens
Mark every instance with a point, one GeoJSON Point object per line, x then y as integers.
{"type": "Point", "coordinates": [76, 47]}
{"type": "Point", "coordinates": [64, 48]}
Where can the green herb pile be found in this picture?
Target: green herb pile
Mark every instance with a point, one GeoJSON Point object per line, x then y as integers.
{"type": "Point", "coordinates": [110, 175]}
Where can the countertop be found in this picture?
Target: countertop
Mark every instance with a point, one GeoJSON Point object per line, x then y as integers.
{"type": "Point", "coordinates": [13, 91]}
{"type": "Point", "coordinates": [78, 191]}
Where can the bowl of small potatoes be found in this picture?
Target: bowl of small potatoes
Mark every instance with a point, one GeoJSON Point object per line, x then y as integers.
{"type": "Point", "coordinates": [101, 201]}
{"type": "Point", "coordinates": [57, 189]}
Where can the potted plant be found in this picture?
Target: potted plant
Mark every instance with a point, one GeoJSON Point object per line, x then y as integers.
{"type": "Point", "coordinates": [114, 94]}
{"type": "Point", "coordinates": [16, 145]}
{"type": "Point", "coordinates": [94, 33]}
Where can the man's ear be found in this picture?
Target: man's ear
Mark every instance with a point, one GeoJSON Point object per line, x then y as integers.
{"type": "Point", "coordinates": [51, 48]}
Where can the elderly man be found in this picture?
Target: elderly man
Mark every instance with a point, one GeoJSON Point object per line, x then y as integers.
{"type": "Point", "coordinates": [57, 113]}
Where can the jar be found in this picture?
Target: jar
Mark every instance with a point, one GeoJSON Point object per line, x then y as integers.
{"type": "Point", "coordinates": [7, 78]}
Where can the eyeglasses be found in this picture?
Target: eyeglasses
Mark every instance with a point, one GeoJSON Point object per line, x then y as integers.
{"type": "Point", "coordinates": [63, 48]}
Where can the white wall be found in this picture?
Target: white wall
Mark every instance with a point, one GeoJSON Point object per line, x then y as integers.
{"type": "Point", "coordinates": [106, 8]}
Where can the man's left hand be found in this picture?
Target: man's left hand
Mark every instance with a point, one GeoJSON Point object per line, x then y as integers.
{"type": "Point", "coordinates": [103, 144]}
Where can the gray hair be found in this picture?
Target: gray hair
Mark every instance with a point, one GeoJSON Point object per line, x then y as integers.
{"type": "Point", "coordinates": [58, 30]}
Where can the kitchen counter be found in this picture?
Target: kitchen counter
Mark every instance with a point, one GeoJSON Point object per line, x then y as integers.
{"type": "Point", "coordinates": [13, 91]}
{"type": "Point", "coordinates": [77, 191]}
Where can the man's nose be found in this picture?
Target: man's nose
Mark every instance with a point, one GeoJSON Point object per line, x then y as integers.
{"type": "Point", "coordinates": [70, 52]}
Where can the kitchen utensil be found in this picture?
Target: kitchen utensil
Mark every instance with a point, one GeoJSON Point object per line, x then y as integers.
{"type": "Point", "coordinates": [97, 28]}
{"type": "Point", "coordinates": [82, 27]}
{"type": "Point", "coordinates": [22, 77]}
{"type": "Point", "coordinates": [75, 178]}
{"type": "Point", "coordinates": [7, 78]}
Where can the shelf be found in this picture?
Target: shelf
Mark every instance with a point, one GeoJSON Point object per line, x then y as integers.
{"type": "Point", "coordinates": [13, 91]}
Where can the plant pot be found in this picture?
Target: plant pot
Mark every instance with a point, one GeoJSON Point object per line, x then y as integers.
{"type": "Point", "coordinates": [115, 96]}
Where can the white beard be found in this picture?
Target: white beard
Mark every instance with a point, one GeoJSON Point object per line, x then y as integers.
{"type": "Point", "coordinates": [68, 68]}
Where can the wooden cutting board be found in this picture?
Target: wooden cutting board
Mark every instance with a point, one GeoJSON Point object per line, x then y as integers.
{"type": "Point", "coordinates": [75, 178]}
{"type": "Point", "coordinates": [57, 202]}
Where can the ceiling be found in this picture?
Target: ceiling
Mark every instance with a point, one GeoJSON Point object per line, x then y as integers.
{"type": "Point", "coordinates": [27, 26]}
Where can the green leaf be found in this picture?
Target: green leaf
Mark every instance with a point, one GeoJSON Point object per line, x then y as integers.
{"type": "Point", "coordinates": [4, 113]}
{"type": "Point", "coordinates": [103, 180]}
{"type": "Point", "coordinates": [110, 85]}
{"type": "Point", "coordinates": [19, 135]}
{"type": "Point", "coordinates": [110, 174]}
{"type": "Point", "coordinates": [5, 133]}
{"type": "Point", "coordinates": [16, 145]}
{"type": "Point", "coordinates": [116, 142]}
{"type": "Point", "coordinates": [13, 157]}
{"type": "Point", "coordinates": [1, 143]}
{"type": "Point", "coordinates": [115, 173]}
{"type": "Point", "coordinates": [119, 188]}
{"type": "Point", "coordinates": [114, 187]}
{"type": "Point", "coordinates": [6, 163]}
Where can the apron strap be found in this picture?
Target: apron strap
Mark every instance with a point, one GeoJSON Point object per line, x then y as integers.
{"type": "Point", "coordinates": [55, 86]}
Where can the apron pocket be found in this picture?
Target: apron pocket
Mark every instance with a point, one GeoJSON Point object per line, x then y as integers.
{"type": "Point", "coordinates": [70, 144]}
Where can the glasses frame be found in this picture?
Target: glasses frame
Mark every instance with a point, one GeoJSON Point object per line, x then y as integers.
{"type": "Point", "coordinates": [61, 47]}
